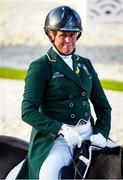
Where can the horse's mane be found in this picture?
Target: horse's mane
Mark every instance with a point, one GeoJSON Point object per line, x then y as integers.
{"type": "Point", "coordinates": [118, 150]}
{"type": "Point", "coordinates": [107, 150]}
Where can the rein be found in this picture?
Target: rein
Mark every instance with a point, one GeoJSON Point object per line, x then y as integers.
{"type": "Point", "coordinates": [74, 163]}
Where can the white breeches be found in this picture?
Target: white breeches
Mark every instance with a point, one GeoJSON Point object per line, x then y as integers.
{"type": "Point", "coordinates": [60, 155]}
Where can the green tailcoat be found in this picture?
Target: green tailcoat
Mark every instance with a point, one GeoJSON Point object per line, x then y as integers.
{"type": "Point", "coordinates": [54, 94]}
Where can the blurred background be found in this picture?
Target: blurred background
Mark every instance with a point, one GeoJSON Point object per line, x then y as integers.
{"type": "Point", "coordinates": [22, 40]}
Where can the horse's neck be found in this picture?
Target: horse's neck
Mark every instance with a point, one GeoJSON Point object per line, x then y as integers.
{"type": "Point", "coordinates": [106, 164]}
{"type": "Point", "coordinates": [122, 162]}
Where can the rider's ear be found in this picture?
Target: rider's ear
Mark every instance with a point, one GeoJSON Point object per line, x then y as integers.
{"type": "Point", "coordinates": [52, 35]}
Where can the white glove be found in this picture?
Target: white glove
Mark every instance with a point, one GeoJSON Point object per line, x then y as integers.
{"type": "Point", "coordinates": [71, 136]}
{"type": "Point", "coordinates": [98, 140]}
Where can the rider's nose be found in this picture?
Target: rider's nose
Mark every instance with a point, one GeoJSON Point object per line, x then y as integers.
{"type": "Point", "coordinates": [67, 39]}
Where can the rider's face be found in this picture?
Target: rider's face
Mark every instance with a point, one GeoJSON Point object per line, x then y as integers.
{"type": "Point", "coordinates": [65, 42]}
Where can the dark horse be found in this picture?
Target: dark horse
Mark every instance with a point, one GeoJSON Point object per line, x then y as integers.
{"type": "Point", "coordinates": [12, 151]}
{"type": "Point", "coordinates": [105, 164]}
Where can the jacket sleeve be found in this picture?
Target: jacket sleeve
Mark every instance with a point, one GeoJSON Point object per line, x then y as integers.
{"type": "Point", "coordinates": [35, 84]}
{"type": "Point", "coordinates": [101, 106]}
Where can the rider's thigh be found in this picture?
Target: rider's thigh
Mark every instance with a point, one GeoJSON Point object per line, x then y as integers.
{"type": "Point", "coordinates": [58, 157]}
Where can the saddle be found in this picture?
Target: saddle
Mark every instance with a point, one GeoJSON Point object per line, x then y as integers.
{"type": "Point", "coordinates": [80, 163]}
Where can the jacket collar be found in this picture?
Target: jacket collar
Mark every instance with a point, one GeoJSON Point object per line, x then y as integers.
{"type": "Point", "coordinates": [56, 61]}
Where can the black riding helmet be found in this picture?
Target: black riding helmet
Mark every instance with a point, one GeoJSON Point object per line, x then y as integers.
{"type": "Point", "coordinates": [63, 18]}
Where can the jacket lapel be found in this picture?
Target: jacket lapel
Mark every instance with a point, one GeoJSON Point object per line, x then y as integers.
{"type": "Point", "coordinates": [56, 61]}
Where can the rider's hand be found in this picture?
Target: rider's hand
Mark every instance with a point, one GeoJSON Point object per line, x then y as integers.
{"type": "Point", "coordinates": [71, 136]}
{"type": "Point", "coordinates": [98, 140]}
